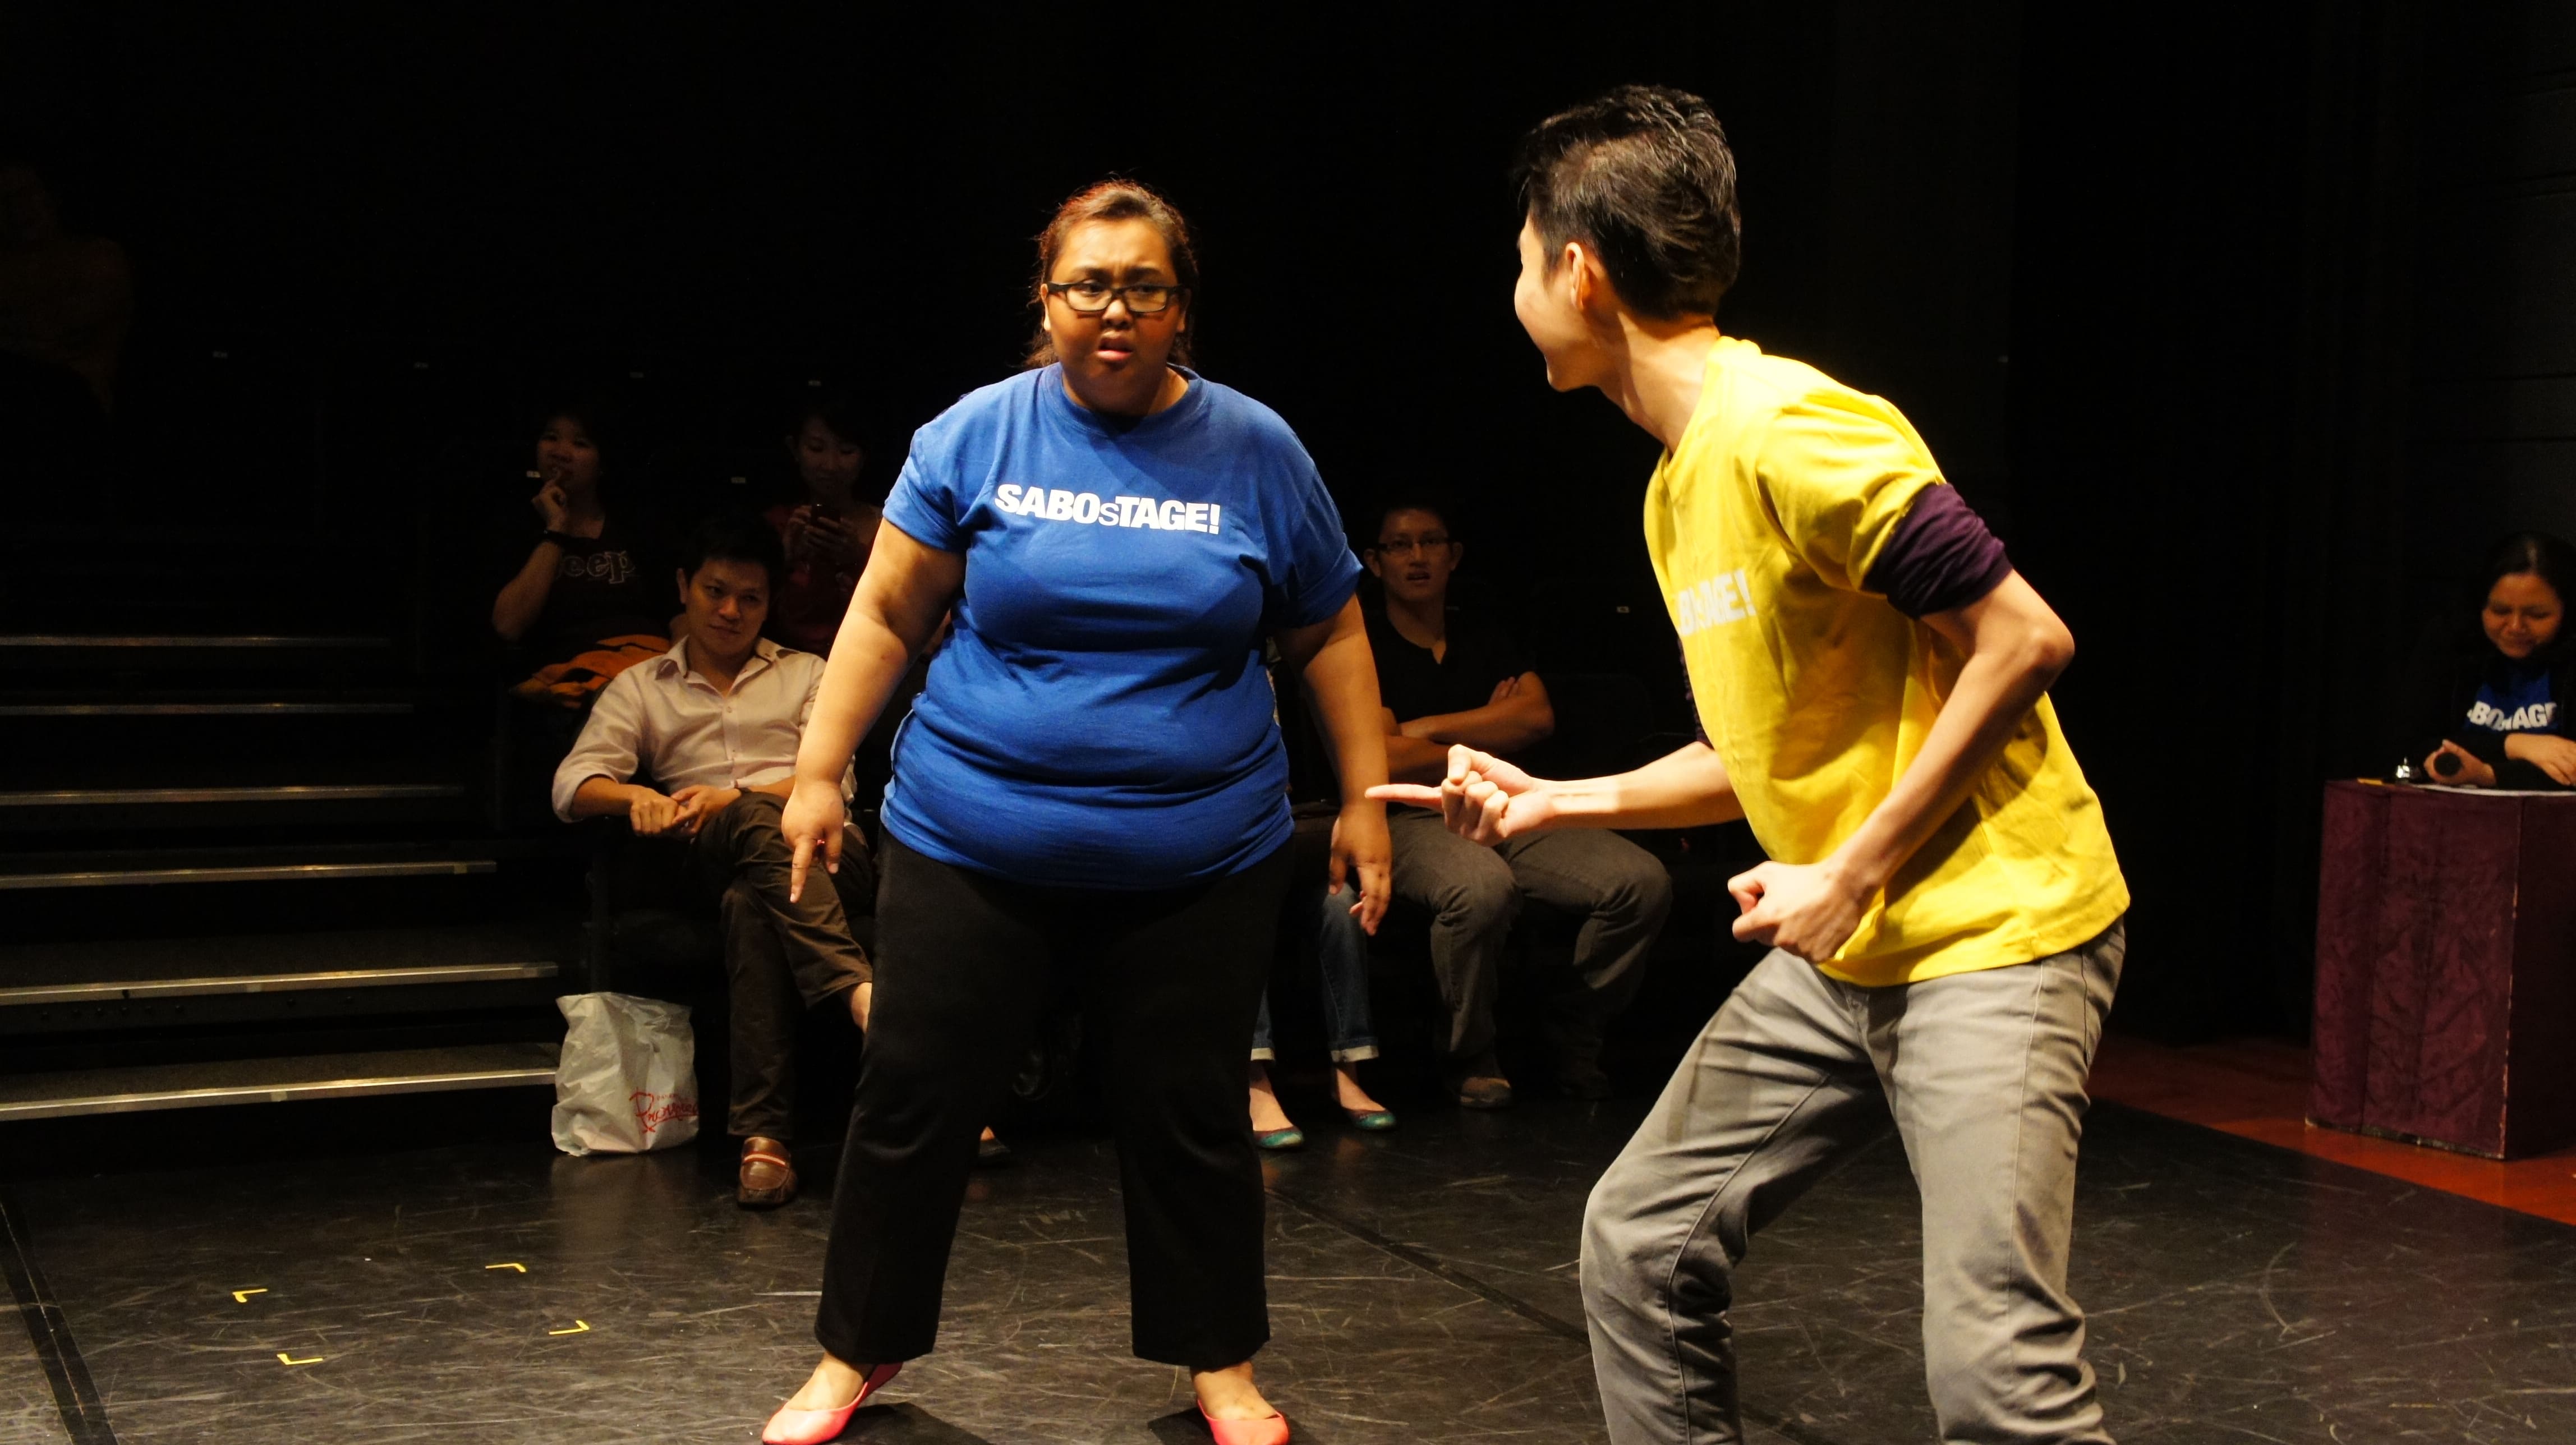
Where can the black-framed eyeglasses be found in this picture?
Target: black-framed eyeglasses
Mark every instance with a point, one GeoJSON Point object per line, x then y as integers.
{"type": "Point", "coordinates": [1407, 546]}
{"type": "Point", "coordinates": [1090, 298]}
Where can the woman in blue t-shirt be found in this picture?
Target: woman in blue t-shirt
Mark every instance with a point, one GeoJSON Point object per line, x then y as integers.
{"type": "Point", "coordinates": [1091, 789]}
{"type": "Point", "coordinates": [2504, 700]}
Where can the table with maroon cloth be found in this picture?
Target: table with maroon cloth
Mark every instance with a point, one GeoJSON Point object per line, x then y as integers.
{"type": "Point", "coordinates": [2446, 968]}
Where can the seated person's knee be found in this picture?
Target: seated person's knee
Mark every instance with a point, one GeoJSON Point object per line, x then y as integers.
{"type": "Point", "coordinates": [1646, 893]}
{"type": "Point", "coordinates": [742, 896]}
{"type": "Point", "coordinates": [1482, 901]}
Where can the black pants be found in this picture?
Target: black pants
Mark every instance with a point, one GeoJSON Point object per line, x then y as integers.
{"type": "Point", "coordinates": [965, 964]}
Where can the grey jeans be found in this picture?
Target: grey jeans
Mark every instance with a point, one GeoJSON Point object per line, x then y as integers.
{"type": "Point", "coordinates": [1474, 894]}
{"type": "Point", "coordinates": [1983, 1075]}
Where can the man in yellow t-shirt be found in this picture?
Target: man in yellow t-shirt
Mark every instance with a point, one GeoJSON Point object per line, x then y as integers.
{"type": "Point", "coordinates": [1942, 900]}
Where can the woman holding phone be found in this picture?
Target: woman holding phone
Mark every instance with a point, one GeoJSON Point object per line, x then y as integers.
{"type": "Point", "coordinates": [826, 529]}
{"type": "Point", "coordinates": [1091, 789]}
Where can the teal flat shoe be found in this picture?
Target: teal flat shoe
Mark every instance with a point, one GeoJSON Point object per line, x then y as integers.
{"type": "Point", "coordinates": [1291, 1137]}
{"type": "Point", "coordinates": [1372, 1120]}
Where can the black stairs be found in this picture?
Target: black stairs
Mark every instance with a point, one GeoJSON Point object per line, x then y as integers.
{"type": "Point", "coordinates": [246, 844]}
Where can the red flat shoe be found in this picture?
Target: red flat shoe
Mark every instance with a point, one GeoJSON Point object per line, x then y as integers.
{"type": "Point", "coordinates": [1270, 1429]}
{"type": "Point", "coordinates": [812, 1427]}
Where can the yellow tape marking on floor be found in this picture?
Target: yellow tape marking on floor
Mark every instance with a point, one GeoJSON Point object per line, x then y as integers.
{"type": "Point", "coordinates": [242, 1296]}
{"type": "Point", "coordinates": [579, 1327]}
{"type": "Point", "coordinates": [521, 1268]}
{"type": "Point", "coordinates": [283, 1360]}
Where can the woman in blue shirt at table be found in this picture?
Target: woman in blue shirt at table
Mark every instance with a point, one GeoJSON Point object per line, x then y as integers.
{"type": "Point", "coordinates": [1092, 787]}
{"type": "Point", "coordinates": [2504, 718]}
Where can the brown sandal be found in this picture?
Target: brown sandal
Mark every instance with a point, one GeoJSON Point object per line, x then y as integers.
{"type": "Point", "coordinates": [768, 1179]}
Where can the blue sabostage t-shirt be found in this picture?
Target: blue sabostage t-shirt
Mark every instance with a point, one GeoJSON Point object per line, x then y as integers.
{"type": "Point", "coordinates": [1100, 717]}
{"type": "Point", "coordinates": [2515, 699]}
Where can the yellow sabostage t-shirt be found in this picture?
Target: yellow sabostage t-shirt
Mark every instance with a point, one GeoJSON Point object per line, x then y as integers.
{"type": "Point", "coordinates": [1762, 523]}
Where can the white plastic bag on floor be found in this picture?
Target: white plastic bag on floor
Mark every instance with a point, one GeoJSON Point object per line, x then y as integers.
{"type": "Point", "coordinates": [627, 1080]}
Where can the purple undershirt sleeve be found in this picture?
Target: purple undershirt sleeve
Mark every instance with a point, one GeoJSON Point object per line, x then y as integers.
{"type": "Point", "coordinates": [1941, 557]}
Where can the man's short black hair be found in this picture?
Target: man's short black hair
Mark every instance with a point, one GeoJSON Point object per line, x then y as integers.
{"type": "Point", "coordinates": [735, 537]}
{"type": "Point", "coordinates": [1643, 177]}
{"type": "Point", "coordinates": [1413, 501]}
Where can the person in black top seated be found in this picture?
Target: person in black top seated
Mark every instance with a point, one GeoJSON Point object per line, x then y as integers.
{"type": "Point", "coordinates": [1451, 677]}
{"type": "Point", "coordinates": [584, 581]}
{"type": "Point", "coordinates": [2503, 690]}
{"type": "Point", "coordinates": [580, 604]}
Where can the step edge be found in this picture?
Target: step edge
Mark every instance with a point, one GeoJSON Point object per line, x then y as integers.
{"type": "Point", "coordinates": [209, 709]}
{"type": "Point", "coordinates": [350, 1088]}
{"type": "Point", "coordinates": [281, 793]}
{"type": "Point", "coordinates": [246, 873]}
{"type": "Point", "coordinates": [29, 995]}
{"type": "Point", "coordinates": [181, 640]}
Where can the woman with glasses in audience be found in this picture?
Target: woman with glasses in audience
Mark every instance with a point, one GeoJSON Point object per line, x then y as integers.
{"type": "Point", "coordinates": [1092, 790]}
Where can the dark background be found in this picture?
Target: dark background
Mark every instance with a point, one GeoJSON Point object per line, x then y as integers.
{"type": "Point", "coordinates": [2247, 327]}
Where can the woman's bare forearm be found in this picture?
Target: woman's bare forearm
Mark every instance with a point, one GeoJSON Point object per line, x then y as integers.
{"type": "Point", "coordinates": [908, 587]}
{"type": "Point", "coordinates": [868, 660]}
{"type": "Point", "coordinates": [1341, 676]}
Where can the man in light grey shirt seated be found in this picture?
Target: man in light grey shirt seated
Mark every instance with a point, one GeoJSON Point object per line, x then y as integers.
{"type": "Point", "coordinates": [715, 722]}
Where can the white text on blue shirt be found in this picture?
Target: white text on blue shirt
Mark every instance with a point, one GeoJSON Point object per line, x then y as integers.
{"type": "Point", "coordinates": [1090, 509]}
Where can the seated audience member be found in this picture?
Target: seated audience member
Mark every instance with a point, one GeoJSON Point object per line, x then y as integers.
{"type": "Point", "coordinates": [1325, 924]}
{"type": "Point", "coordinates": [584, 601]}
{"type": "Point", "coordinates": [1451, 677]}
{"type": "Point", "coordinates": [715, 722]}
{"type": "Point", "coordinates": [827, 530]}
{"type": "Point", "coordinates": [2503, 693]}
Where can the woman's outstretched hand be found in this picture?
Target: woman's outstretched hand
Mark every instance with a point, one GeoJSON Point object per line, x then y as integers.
{"type": "Point", "coordinates": [1483, 799]}
{"type": "Point", "coordinates": [812, 823]}
{"type": "Point", "coordinates": [1363, 855]}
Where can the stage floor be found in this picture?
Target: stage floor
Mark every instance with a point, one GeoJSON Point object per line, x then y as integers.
{"type": "Point", "coordinates": [1422, 1289]}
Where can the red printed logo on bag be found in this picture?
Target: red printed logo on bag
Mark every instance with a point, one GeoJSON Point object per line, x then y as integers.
{"type": "Point", "coordinates": [652, 1110]}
